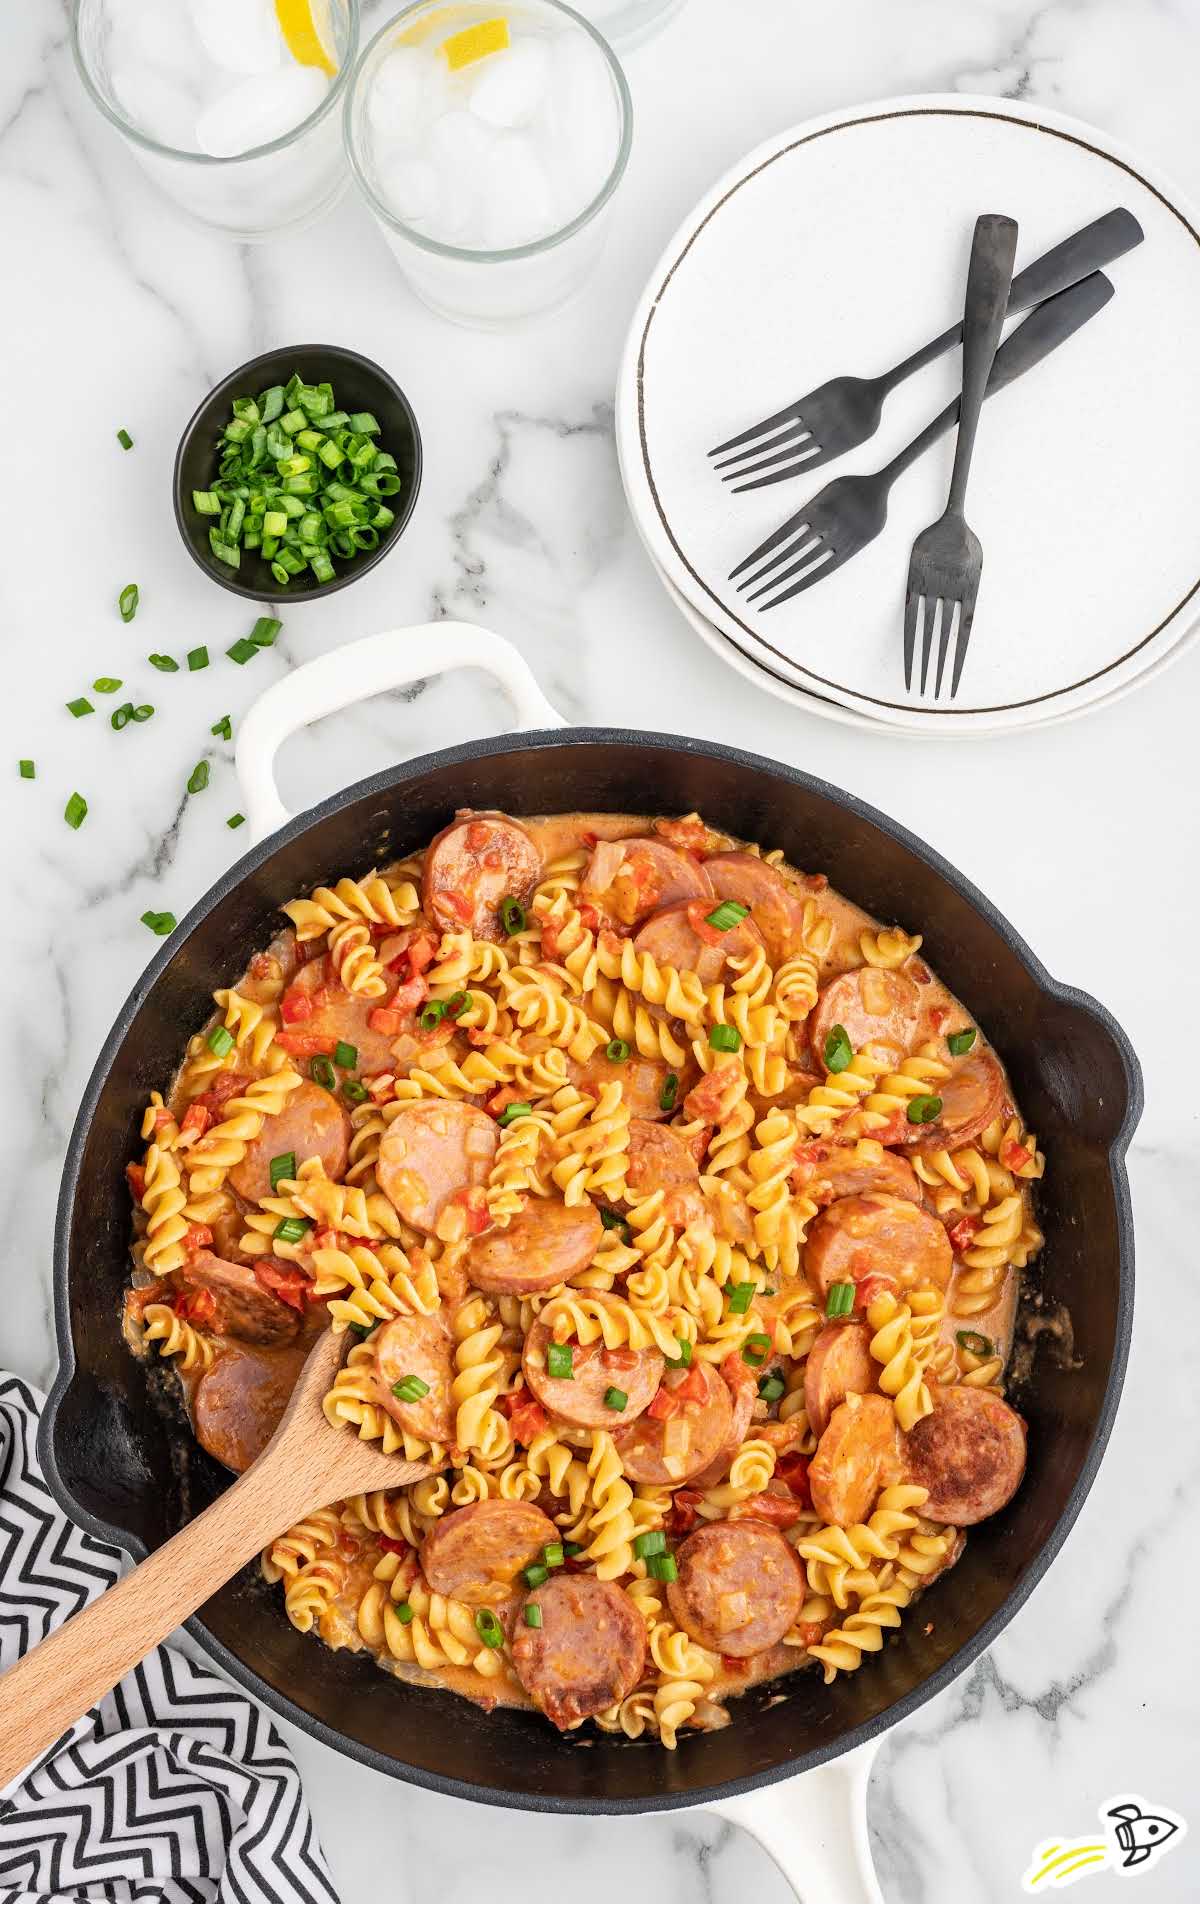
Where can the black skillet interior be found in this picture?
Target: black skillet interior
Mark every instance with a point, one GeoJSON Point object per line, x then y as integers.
{"type": "Point", "coordinates": [119, 1462]}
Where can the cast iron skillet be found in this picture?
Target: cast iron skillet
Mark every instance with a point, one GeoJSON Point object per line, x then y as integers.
{"type": "Point", "coordinates": [118, 1463]}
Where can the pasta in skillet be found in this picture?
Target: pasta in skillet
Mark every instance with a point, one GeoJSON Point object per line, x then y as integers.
{"type": "Point", "coordinates": [669, 1208]}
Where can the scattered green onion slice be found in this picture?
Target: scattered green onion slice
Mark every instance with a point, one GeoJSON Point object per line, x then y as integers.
{"type": "Point", "coordinates": [487, 1626]}
{"type": "Point", "coordinates": [81, 705]}
{"type": "Point", "coordinates": [410, 1388]}
{"type": "Point", "coordinates": [554, 1554]}
{"type": "Point", "coordinates": [511, 1112]}
{"type": "Point", "coordinates": [160, 923]}
{"type": "Point", "coordinates": [617, 1050]}
{"type": "Point", "coordinates": [661, 1567]}
{"type": "Point", "coordinates": [771, 1387]}
{"type": "Point", "coordinates": [741, 1296]}
{"type": "Point", "coordinates": [75, 812]}
{"type": "Point", "coordinates": [289, 1230]}
{"type": "Point", "coordinates": [613, 1220]}
{"type": "Point", "coordinates": [840, 1301]}
{"type": "Point", "coordinates": [127, 601]}
{"type": "Point", "coordinates": [345, 1056]}
{"type": "Point", "coordinates": [838, 1049]}
{"type": "Point", "coordinates": [960, 1042]}
{"type": "Point", "coordinates": [924, 1108]}
{"type": "Point", "coordinates": [220, 1040]}
{"type": "Point", "coordinates": [264, 631]}
{"type": "Point", "coordinates": [124, 439]}
{"type": "Point", "coordinates": [236, 820]}
{"type": "Point", "coordinates": [974, 1343]}
{"type": "Point", "coordinates": [283, 1167]}
{"type": "Point", "coordinates": [512, 915]}
{"type": "Point", "coordinates": [198, 778]}
{"type": "Point", "coordinates": [669, 1092]}
{"type": "Point", "coordinates": [242, 651]}
{"type": "Point", "coordinates": [223, 728]}
{"type": "Point", "coordinates": [121, 717]}
{"type": "Point", "coordinates": [533, 1614]}
{"type": "Point", "coordinates": [106, 684]}
{"type": "Point", "coordinates": [166, 664]}
{"type": "Point", "coordinates": [320, 1070]}
{"type": "Point", "coordinates": [755, 1349]}
{"type": "Point", "coordinates": [652, 1542]}
{"type": "Point", "coordinates": [560, 1362]}
{"type": "Point", "coordinates": [197, 659]}
{"type": "Point", "coordinates": [27, 770]}
{"type": "Point", "coordinates": [615, 1399]}
{"type": "Point", "coordinates": [572, 1548]}
{"type": "Point", "coordinates": [456, 1003]}
{"type": "Point", "coordinates": [143, 713]}
{"type": "Point", "coordinates": [684, 1358]}
{"type": "Point", "coordinates": [432, 1015]}
{"type": "Point", "coordinates": [535, 1574]}
{"type": "Point", "coordinates": [724, 1038]}
{"type": "Point", "coordinates": [404, 1613]}
{"type": "Point", "coordinates": [354, 1091]}
{"type": "Point", "coordinates": [728, 914]}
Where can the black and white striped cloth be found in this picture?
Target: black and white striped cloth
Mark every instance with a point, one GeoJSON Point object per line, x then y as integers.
{"type": "Point", "coordinates": [174, 1787]}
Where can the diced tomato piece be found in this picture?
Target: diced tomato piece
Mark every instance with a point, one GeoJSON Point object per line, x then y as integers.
{"type": "Point", "coordinates": [499, 1100]}
{"type": "Point", "coordinates": [589, 917]}
{"type": "Point", "coordinates": [225, 1086]}
{"type": "Point", "coordinates": [707, 1097]}
{"type": "Point", "coordinates": [306, 1044]}
{"type": "Point", "coordinates": [1015, 1156]}
{"type": "Point", "coordinates": [410, 995]}
{"type": "Point", "coordinates": [285, 1281]}
{"type": "Point", "coordinates": [528, 1419]}
{"type": "Point", "coordinates": [693, 1388]}
{"type": "Point", "coordinates": [196, 1237]}
{"type": "Point", "coordinates": [963, 1233]}
{"type": "Point", "coordinates": [473, 1199]}
{"type": "Point", "coordinates": [478, 835]}
{"type": "Point", "coordinates": [296, 1005]}
{"type": "Point", "coordinates": [135, 1176]}
{"type": "Point", "coordinates": [781, 1511]}
{"type": "Point", "coordinates": [391, 1544]}
{"type": "Point", "coordinates": [792, 1471]}
{"type": "Point", "coordinates": [665, 1405]}
{"type": "Point", "coordinates": [697, 913]}
{"type": "Point", "coordinates": [871, 1286]}
{"type": "Point", "coordinates": [385, 1019]}
{"type": "Point", "coordinates": [196, 1306]}
{"type": "Point", "coordinates": [136, 1300]}
{"type": "Point", "coordinates": [422, 953]}
{"type": "Point", "coordinates": [691, 835]}
{"type": "Point", "coordinates": [196, 1120]}
{"type": "Point", "coordinates": [681, 1517]}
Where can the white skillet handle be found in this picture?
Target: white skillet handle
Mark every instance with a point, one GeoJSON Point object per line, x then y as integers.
{"type": "Point", "coordinates": [390, 659]}
{"type": "Point", "coordinates": [815, 1829]}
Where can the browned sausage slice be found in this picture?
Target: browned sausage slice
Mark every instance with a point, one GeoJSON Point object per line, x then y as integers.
{"type": "Point", "coordinates": [243, 1307]}
{"type": "Point", "coordinates": [658, 1155]}
{"type": "Point", "coordinates": [877, 1235]}
{"type": "Point", "coordinates": [774, 908]}
{"type": "Point", "coordinates": [430, 1151]}
{"type": "Point", "coordinates": [742, 1382]}
{"type": "Point", "coordinates": [595, 1373]}
{"type": "Point", "coordinates": [313, 1124]}
{"type": "Point", "coordinates": [739, 1587]}
{"type": "Point", "coordinates": [839, 1365]}
{"type": "Point", "coordinates": [642, 1081]}
{"type": "Point", "coordinates": [588, 1653]}
{"type": "Point", "coordinates": [654, 1449]}
{"type": "Point", "coordinates": [544, 1244]}
{"type": "Point", "coordinates": [421, 1346]}
{"type": "Point", "coordinates": [474, 864]}
{"type": "Point", "coordinates": [476, 1554]}
{"type": "Point", "coordinates": [877, 1008]}
{"type": "Point", "coordinates": [240, 1399]}
{"type": "Point", "coordinates": [338, 1014]}
{"type": "Point", "coordinates": [969, 1453]}
{"type": "Point", "coordinates": [630, 878]}
{"type": "Point", "coordinates": [671, 938]}
{"type": "Point", "coordinates": [858, 1454]}
{"type": "Point", "coordinates": [971, 1097]}
{"type": "Point", "coordinates": [826, 1172]}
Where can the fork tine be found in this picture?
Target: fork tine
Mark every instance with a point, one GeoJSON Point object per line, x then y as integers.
{"type": "Point", "coordinates": [811, 549]}
{"type": "Point", "coordinates": [795, 433]}
{"type": "Point", "coordinates": [785, 530]}
{"type": "Point", "coordinates": [949, 609]}
{"type": "Point", "coordinates": [964, 636]}
{"type": "Point", "coordinates": [933, 606]}
{"type": "Point", "coordinates": [912, 610]}
{"type": "Point", "coordinates": [817, 573]}
{"type": "Point", "coordinates": [788, 554]}
{"type": "Point", "coordinates": [809, 455]}
{"type": "Point", "coordinates": [790, 412]}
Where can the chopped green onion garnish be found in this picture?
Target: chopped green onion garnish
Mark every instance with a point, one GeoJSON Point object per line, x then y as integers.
{"type": "Point", "coordinates": [617, 1050]}
{"type": "Point", "coordinates": [121, 717]}
{"type": "Point", "coordinates": [220, 1040]}
{"type": "Point", "coordinates": [554, 1554]}
{"type": "Point", "coordinates": [81, 705]}
{"type": "Point", "coordinates": [771, 1387]}
{"type": "Point", "coordinates": [242, 651]}
{"type": "Point", "coordinates": [572, 1548]}
{"type": "Point", "coordinates": [724, 1038]}
{"type": "Point", "coordinates": [512, 915]}
{"type": "Point", "coordinates": [840, 1301]}
{"type": "Point", "coordinates": [289, 1230]}
{"type": "Point", "coordinates": [197, 659]}
{"type": "Point", "coordinates": [653, 1542]}
{"type": "Point", "coordinates": [127, 601]}
{"type": "Point", "coordinates": [741, 1296]}
{"type": "Point", "coordinates": [960, 1042]}
{"type": "Point", "coordinates": [410, 1388]}
{"type": "Point", "coordinates": [283, 1167]}
{"type": "Point", "coordinates": [683, 1360]}
{"type": "Point", "coordinates": [511, 1112]}
{"type": "Point", "coordinates": [838, 1049]}
{"type": "Point", "coordinates": [559, 1362]}
{"type": "Point", "coordinates": [432, 1015]}
{"type": "Point", "coordinates": [613, 1220]}
{"type": "Point", "coordinates": [264, 631]}
{"type": "Point", "coordinates": [160, 923]}
{"type": "Point", "coordinates": [236, 820]}
{"type": "Point", "coordinates": [728, 914]}
{"type": "Point", "coordinates": [223, 728]}
{"type": "Point", "coordinates": [924, 1109]}
{"type": "Point", "coordinates": [124, 439]}
{"type": "Point", "coordinates": [669, 1092]}
{"type": "Point", "coordinates": [535, 1574]}
{"type": "Point", "coordinates": [75, 811]}
{"type": "Point", "coordinates": [142, 713]}
{"type": "Point", "coordinates": [345, 1056]}
{"type": "Point", "coordinates": [754, 1350]}
{"type": "Point", "coordinates": [354, 1091]}
{"type": "Point", "coordinates": [533, 1614]}
{"type": "Point", "coordinates": [615, 1399]}
{"type": "Point", "coordinates": [456, 1003]}
{"type": "Point", "coordinates": [106, 684]}
{"type": "Point", "coordinates": [27, 770]}
{"type": "Point", "coordinates": [198, 778]}
{"type": "Point", "coordinates": [206, 502]}
{"type": "Point", "coordinates": [166, 664]}
{"type": "Point", "coordinates": [320, 1070]}
{"type": "Point", "coordinates": [404, 1613]}
{"type": "Point", "coordinates": [488, 1627]}
{"type": "Point", "coordinates": [974, 1343]}
{"type": "Point", "coordinates": [661, 1567]}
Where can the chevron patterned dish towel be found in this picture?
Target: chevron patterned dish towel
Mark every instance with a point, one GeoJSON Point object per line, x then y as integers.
{"type": "Point", "coordinates": [174, 1787]}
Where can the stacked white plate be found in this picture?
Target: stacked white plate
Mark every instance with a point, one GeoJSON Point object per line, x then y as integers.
{"type": "Point", "coordinates": [841, 247]}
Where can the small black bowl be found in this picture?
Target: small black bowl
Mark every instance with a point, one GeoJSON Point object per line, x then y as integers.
{"type": "Point", "coordinates": [358, 384]}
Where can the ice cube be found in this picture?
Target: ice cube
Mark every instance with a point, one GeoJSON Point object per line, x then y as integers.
{"type": "Point", "coordinates": [242, 36]}
{"type": "Point", "coordinates": [408, 90]}
{"type": "Point", "coordinates": [518, 205]}
{"type": "Point", "coordinates": [581, 118]}
{"type": "Point", "coordinates": [259, 109]}
{"type": "Point", "coordinates": [460, 147]}
{"type": "Point", "coordinates": [156, 104]}
{"type": "Point", "coordinates": [145, 33]}
{"type": "Point", "coordinates": [511, 85]}
{"type": "Point", "coordinates": [410, 187]}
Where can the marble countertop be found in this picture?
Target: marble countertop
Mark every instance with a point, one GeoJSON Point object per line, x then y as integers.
{"type": "Point", "coordinates": [118, 314]}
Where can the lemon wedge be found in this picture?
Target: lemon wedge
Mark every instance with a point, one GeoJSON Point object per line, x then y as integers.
{"type": "Point", "coordinates": [475, 43]}
{"type": "Point", "coordinates": [305, 28]}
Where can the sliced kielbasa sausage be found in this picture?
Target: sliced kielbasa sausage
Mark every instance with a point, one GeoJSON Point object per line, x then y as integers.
{"type": "Point", "coordinates": [596, 1373]}
{"type": "Point", "coordinates": [476, 1554]}
{"type": "Point", "coordinates": [678, 1438]}
{"type": "Point", "coordinates": [739, 1587]}
{"type": "Point", "coordinates": [420, 1346]}
{"type": "Point", "coordinates": [544, 1244]}
{"type": "Point", "coordinates": [588, 1652]}
{"type": "Point", "coordinates": [472, 866]}
{"type": "Point", "coordinates": [971, 1097]}
{"type": "Point", "coordinates": [673, 937]}
{"type": "Point", "coordinates": [643, 1082]}
{"type": "Point", "coordinates": [774, 908]}
{"type": "Point", "coordinates": [881, 1236]}
{"type": "Point", "coordinates": [243, 1307]}
{"type": "Point", "coordinates": [432, 1150]}
{"type": "Point", "coordinates": [240, 1400]}
{"type": "Point", "coordinates": [826, 1172]}
{"type": "Point", "coordinates": [742, 1382]}
{"type": "Point", "coordinates": [839, 1365]}
{"type": "Point", "coordinates": [658, 1156]}
{"type": "Point", "coordinates": [312, 1124]}
{"type": "Point", "coordinates": [339, 1015]}
{"type": "Point", "coordinates": [876, 1007]}
{"type": "Point", "coordinates": [969, 1453]}
{"type": "Point", "coordinates": [630, 878]}
{"type": "Point", "coordinates": [858, 1454]}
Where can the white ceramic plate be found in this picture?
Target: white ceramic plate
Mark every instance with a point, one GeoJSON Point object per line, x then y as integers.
{"type": "Point", "coordinates": [842, 246]}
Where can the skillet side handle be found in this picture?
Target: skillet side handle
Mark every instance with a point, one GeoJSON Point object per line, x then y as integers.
{"type": "Point", "coordinates": [815, 1829]}
{"type": "Point", "coordinates": [371, 666]}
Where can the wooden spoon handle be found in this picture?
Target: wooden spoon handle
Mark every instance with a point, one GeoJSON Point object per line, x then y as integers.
{"type": "Point", "coordinates": [83, 1659]}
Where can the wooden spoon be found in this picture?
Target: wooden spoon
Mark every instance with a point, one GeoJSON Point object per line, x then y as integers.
{"type": "Point", "coordinates": [305, 1465]}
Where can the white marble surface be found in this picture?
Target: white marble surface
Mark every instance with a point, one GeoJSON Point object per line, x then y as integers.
{"type": "Point", "coordinates": [115, 314]}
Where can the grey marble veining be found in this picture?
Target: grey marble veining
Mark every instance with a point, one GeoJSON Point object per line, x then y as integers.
{"type": "Point", "coordinates": [116, 314]}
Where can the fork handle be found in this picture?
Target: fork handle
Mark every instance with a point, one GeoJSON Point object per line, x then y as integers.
{"type": "Point", "coordinates": [989, 277]}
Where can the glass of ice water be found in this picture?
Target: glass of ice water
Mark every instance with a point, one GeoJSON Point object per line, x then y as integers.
{"type": "Point", "coordinates": [230, 106]}
{"type": "Point", "coordinates": [489, 139]}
